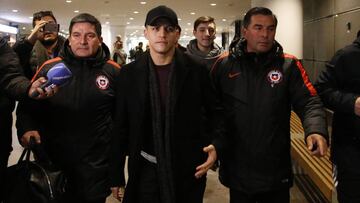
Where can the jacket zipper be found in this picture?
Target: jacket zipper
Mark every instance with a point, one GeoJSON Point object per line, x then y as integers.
{"type": "Point", "coordinates": [47, 180]}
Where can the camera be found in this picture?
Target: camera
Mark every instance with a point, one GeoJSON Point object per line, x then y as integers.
{"type": "Point", "coordinates": [51, 27]}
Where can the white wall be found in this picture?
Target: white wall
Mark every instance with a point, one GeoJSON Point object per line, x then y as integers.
{"type": "Point", "coordinates": [289, 31]}
{"type": "Point", "coordinates": [109, 33]}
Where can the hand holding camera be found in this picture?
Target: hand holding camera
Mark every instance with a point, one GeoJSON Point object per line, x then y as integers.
{"type": "Point", "coordinates": [42, 26]}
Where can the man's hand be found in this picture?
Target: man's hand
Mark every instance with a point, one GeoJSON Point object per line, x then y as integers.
{"type": "Point", "coordinates": [36, 87]}
{"type": "Point", "coordinates": [212, 156]}
{"type": "Point", "coordinates": [317, 145]}
{"type": "Point", "coordinates": [25, 139]}
{"type": "Point", "coordinates": [33, 35]}
{"type": "Point", "coordinates": [357, 106]}
{"type": "Point", "coordinates": [118, 192]}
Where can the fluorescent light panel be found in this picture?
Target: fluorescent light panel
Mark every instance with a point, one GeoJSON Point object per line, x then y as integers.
{"type": "Point", "coordinates": [8, 29]}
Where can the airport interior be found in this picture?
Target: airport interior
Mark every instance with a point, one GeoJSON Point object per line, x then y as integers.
{"type": "Point", "coordinates": [311, 30]}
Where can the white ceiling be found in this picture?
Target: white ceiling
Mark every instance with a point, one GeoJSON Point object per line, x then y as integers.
{"type": "Point", "coordinates": [119, 12]}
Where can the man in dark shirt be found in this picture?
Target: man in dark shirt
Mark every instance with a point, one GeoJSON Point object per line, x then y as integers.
{"type": "Point", "coordinates": [339, 88]}
{"type": "Point", "coordinates": [42, 44]}
{"type": "Point", "coordinates": [163, 96]}
{"type": "Point", "coordinates": [13, 85]}
{"type": "Point", "coordinates": [75, 125]}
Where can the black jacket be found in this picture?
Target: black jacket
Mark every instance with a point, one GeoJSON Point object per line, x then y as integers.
{"type": "Point", "coordinates": [12, 80]}
{"type": "Point", "coordinates": [339, 86]}
{"type": "Point", "coordinates": [193, 96]}
{"type": "Point", "coordinates": [8, 63]}
{"type": "Point", "coordinates": [257, 93]}
{"type": "Point", "coordinates": [75, 124]}
{"type": "Point", "coordinates": [33, 56]}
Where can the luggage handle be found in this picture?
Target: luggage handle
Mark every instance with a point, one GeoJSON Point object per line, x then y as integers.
{"type": "Point", "coordinates": [39, 153]}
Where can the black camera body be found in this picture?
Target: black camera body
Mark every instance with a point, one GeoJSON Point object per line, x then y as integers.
{"type": "Point", "coordinates": [51, 27]}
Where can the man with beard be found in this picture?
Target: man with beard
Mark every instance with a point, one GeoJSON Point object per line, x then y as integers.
{"type": "Point", "coordinates": [42, 44]}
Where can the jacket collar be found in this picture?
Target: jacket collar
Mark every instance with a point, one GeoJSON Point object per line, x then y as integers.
{"type": "Point", "coordinates": [181, 69]}
{"type": "Point", "coordinates": [192, 49]}
{"type": "Point", "coordinates": [237, 49]}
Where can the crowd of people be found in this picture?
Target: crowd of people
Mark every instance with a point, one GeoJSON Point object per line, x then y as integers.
{"type": "Point", "coordinates": [176, 112]}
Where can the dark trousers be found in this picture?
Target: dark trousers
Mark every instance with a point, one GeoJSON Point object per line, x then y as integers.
{"type": "Point", "coordinates": [68, 198]}
{"type": "Point", "coordinates": [278, 196]}
{"type": "Point", "coordinates": [148, 184]}
{"type": "Point", "coordinates": [3, 165]}
{"type": "Point", "coordinates": [348, 173]}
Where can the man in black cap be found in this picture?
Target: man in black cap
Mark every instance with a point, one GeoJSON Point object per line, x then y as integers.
{"type": "Point", "coordinates": [163, 97]}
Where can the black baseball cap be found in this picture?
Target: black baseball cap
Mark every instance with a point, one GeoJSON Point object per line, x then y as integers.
{"type": "Point", "coordinates": [161, 12]}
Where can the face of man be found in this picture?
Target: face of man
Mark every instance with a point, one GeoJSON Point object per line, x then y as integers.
{"type": "Point", "coordinates": [83, 40]}
{"type": "Point", "coordinates": [205, 35]}
{"type": "Point", "coordinates": [46, 37]}
{"type": "Point", "coordinates": [162, 37]}
{"type": "Point", "coordinates": [260, 33]}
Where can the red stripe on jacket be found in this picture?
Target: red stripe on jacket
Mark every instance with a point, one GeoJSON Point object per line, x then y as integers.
{"type": "Point", "coordinates": [303, 74]}
{"type": "Point", "coordinates": [45, 63]}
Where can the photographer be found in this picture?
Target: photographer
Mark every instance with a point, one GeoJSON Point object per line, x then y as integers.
{"type": "Point", "coordinates": [42, 44]}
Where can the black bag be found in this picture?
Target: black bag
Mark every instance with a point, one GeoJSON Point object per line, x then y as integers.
{"type": "Point", "coordinates": [36, 181]}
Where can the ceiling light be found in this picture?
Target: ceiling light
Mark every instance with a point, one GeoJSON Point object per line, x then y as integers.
{"type": "Point", "coordinates": [189, 23]}
{"type": "Point", "coordinates": [136, 12]}
{"type": "Point", "coordinates": [192, 13]}
{"type": "Point", "coordinates": [131, 18]}
{"type": "Point", "coordinates": [76, 11]}
{"type": "Point", "coordinates": [213, 4]}
{"type": "Point", "coordinates": [223, 19]}
{"type": "Point", "coordinates": [24, 28]}
{"type": "Point", "coordinates": [8, 29]}
{"type": "Point", "coordinates": [179, 19]}
{"type": "Point", "coordinates": [15, 11]}
{"type": "Point", "coordinates": [143, 2]}
{"type": "Point", "coordinates": [107, 22]}
{"type": "Point", "coordinates": [128, 23]}
{"type": "Point", "coordinates": [68, 1]}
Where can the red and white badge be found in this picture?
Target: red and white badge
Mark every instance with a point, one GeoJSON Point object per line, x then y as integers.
{"type": "Point", "coordinates": [102, 82]}
{"type": "Point", "coordinates": [274, 77]}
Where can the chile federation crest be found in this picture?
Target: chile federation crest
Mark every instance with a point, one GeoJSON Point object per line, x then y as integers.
{"type": "Point", "coordinates": [274, 77]}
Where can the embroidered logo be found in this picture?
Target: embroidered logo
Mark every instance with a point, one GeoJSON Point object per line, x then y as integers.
{"type": "Point", "coordinates": [102, 82]}
{"type": "Point", "coordinates": [274, 77]}
{"type": "Point", "coordinates": [233, 75]}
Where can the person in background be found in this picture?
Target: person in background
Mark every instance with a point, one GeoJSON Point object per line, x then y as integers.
{"type": "Point", "coordinates": [117, 39]}
{"type": "Point", "coordinates": [74, 126]}
{"type": "Point", "coordinates": [203, 48]}
{"type": "Point", "coordinates": [163, 96]}
{"type": "Point", "coordinates": [258, 85]}
{"type": "Point", "coordinates": [42, 44]}
{"type": "Point", "coordinates": [119, 55]}
{"type": "Point", "coordinates": [138, 50]}
{"type": "Point", "coordinates": [339, 88]}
